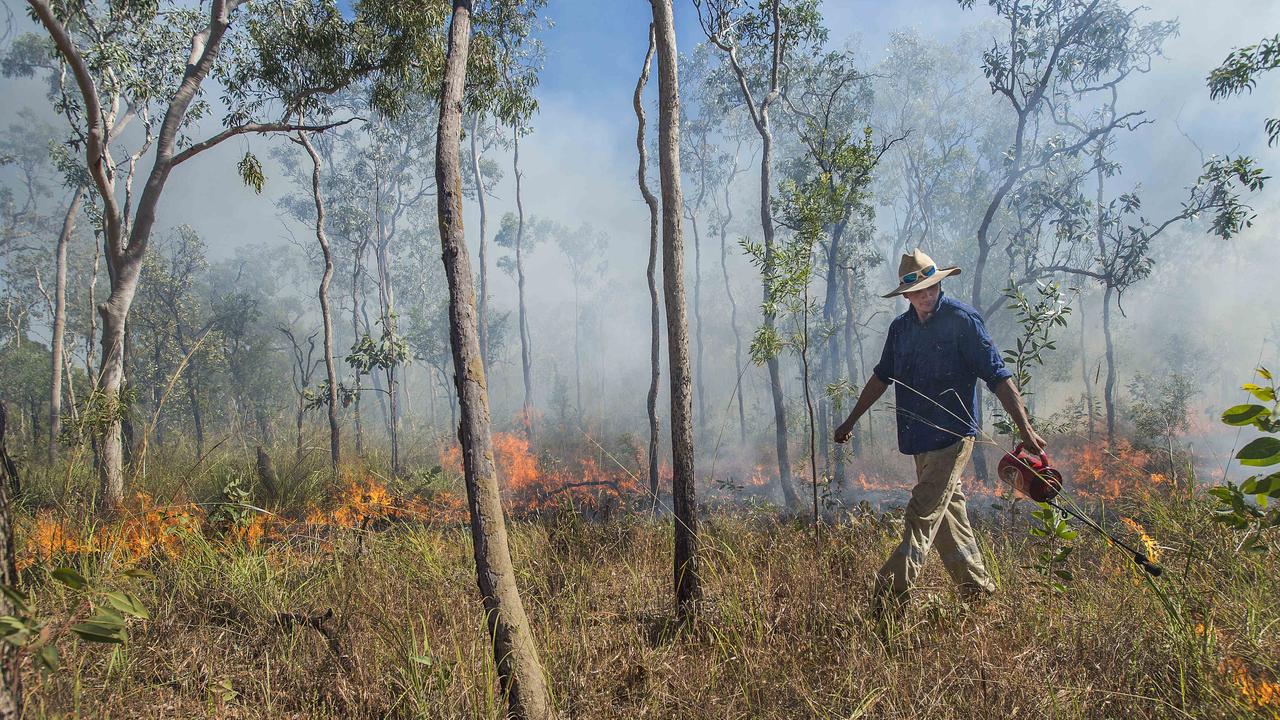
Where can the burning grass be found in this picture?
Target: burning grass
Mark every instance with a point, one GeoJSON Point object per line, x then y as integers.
{"type": "Point", "coordinates": [356, 610]}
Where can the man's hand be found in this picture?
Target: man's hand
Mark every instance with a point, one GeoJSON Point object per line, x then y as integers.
{"type": "Point", "coordinates": [1032, 441]}
{"type": "Point", "coordinates": [871, 392]}
{"type": "Point", "coordinates": [1011, 399]}
{"type": "Point", "coordinates": [843, 431]}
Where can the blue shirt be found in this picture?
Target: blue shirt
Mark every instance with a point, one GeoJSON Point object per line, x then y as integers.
{"type": "Point", "coordinates": [936, 365]}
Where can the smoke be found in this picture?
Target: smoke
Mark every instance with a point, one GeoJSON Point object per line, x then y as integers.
{"type": "Point", "coordinates": [1206, 296]}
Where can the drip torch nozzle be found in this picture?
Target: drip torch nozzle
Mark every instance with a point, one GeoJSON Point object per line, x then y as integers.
{"type": "Point", "coordinates": [1145, 563]}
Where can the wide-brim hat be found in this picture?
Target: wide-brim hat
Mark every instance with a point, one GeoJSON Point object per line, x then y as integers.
{"type": "Point", "coordinates": [919, 263]}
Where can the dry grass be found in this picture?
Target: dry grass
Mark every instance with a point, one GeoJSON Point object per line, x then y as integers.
{"type": "Point", "coordinates": [349, 623]}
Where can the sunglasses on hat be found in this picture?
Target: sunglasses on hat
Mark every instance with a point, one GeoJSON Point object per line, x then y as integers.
{"type": "Point", "coordinates": [919, 275]}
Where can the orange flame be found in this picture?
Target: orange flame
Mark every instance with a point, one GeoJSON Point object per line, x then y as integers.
{"type": "Point", "coordinates": [1257, 692]}
{"type": "Point", "coordinates": [1148, 542]}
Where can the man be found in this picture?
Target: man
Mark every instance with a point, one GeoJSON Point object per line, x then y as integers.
{"type": "Point", "coordinates": [935, 352]}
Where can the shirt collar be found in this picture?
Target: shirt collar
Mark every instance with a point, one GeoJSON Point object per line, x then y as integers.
{"type": "Point", "coordinates": [912, 308]}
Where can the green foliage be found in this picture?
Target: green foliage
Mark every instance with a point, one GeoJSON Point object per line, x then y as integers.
{"type": "Point", "coordinates": [236, 509]}
{"type": "Point", "coordinates": [1245, 507]}
{"type": "Point", "coordinates": [1159, 406]}
{"type": "Point", "coordinates": [1053, 534]}
{"type": "Point", "coordinates": [1239, 73]}
{"type": "Point", "coordinates": [109, 611]}
{"type": "Point", "coordinates": [388, 351]}
{"type": "Point", "coordinates": [1216, 193]}
{"type": "Point", "coordinates": [1038, 319]}
{"type": "Point", "coordinates": [250, 169]}
{"type": "Point", "coordinates": [95, 413]}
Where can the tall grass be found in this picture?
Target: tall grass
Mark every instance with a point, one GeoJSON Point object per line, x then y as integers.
{"type": "Point", "coordinates": [385, 621]}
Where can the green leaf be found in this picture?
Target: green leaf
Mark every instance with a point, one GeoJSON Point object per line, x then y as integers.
{"type": "Point", "coordinates": [17, 597]}
{"type": "Point", "coordinates": [250, 169]}
{"type": "Point", "coordinates": [1265, 394]}
{"type": "Point", "coordinates": [1261, 452]}
{"type": "Point", "coordinates": [128, 604]}
{"type": "Point", "coordinates": [10, 625]}
{"type": "Point", "coordinates": [48, 658]}
{"type": "Point", "coordinates": [70, 578]}
{"type": "Point", "coordinates": [1264, 372]}
{"type": "Point", "coordinates": [1268, 486]}
{"type": "Point", "coordinates": [1241, 415]}
{"type": "Point", "coordinates": [1222, 492]}
{"type": "Point", "coordinates": [99, 632]}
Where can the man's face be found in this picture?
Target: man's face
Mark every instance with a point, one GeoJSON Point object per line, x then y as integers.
{"type": "Point", "coordinates": [924, 300]}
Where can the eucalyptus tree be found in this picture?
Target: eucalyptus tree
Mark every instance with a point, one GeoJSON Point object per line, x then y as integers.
{"type": "Point", "coordinates": [516, 656]}
{"type": "Point", "coordinates": [520, 238]}
{"type": "Point", "coordinates": [517, 56]}
{"type": "Point", "coordinates": [697, 135]}
{"type": "Point", "coordinates": [150, 62]}
{"type": "Point", "coordinates": [1114, 246]}
{"type": "Point", "coordinates": [933, 182]}
{"type": "Point", "coordinates": [247, 296]}
{"type": "Point", "coordinates": [828, 198]}
{"type": "Point", "coordinates": [688, 585]}
{"type": "Point", "coordinates": [484, 136]}
{"type": "Point", "coordinates": [759, 40]}
{"type": "Point", "coordinates": [179, 344]}
{"type": "Point", "coordinates": [650, 201]}
{"type": "Point", "coordinates": [1239, 73]}
{"type": "Point", "coordinates": [584, 252]}
{"type": "Point", "coordinates": [396, 167]}
{"type": "Point", "coordinates": [1055, 49]}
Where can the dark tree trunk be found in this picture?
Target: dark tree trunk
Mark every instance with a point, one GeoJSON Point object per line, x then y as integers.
{"type": "Point", "coordinates": [267, 473]}
{"type": "Point", "coordinates": [519, 671]}
{"type": "Point", "coordinates": [482, 299]}
{"type": "Point", "coordinates": [11, 700]}
{"type": "Point", "coordinates": [655, 344]}
{"type": "Point", "coordinates": [1108, 391]}
{"type": "Point", "coordinates": [850, 333]}
{"type": "Point", "coordinates": [687, 583]}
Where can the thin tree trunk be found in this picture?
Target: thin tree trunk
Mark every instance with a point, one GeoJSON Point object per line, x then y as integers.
{"type": "Point", "coordinates": [11, 700]}
{"type": "Point", "coordinates": [355, 333]}
{"type": "Point", "coordinates": [760, 118]}
{"type": "Point", "coordinates": [482, 300]}
{"type": "Point", "coordinates": [733, 304]}
{"type": "Point", "coordinates": [1108, 394]}
{"type": "Point", "coordinates": [519, 670]}
{"type": "Point", "coordinates": [855, 440]}
{"type": "Point", "coordinates": [655, 344]}
{"type": "Point", "coordinates": [687, 584]}
{"type": "Point", "coordinates": [386, 304]}
{"type": "Point", "coordinates": [1084, 373]}
{"type": "Point", "coordinates": [577, 348]}
{"type": "Point", "coordinates": [526, 352]}
{"type": "Point", "coordinates": [808, 404]}
{"type": "Point", "coordinates": [697, 324]}
{"type": "Point", "coordinates": [830, 302]}
{"type": "Point", "coordinates": [330, 365]}
{"type": "Point", "coordinates": [60, 321]}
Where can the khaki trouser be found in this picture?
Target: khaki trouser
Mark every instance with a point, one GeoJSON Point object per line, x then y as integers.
{"type": "Point", "coordinates": [936, 515]}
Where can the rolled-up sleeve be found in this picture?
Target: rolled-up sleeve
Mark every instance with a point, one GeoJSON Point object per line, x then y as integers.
{"type": "Point", "coordinates": [981, 355]}
{"type": "Point", "coordinates": [885, 369]}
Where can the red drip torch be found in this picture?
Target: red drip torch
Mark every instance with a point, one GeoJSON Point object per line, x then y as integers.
{"type": "Point", "coordinates": [1035, 477]}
